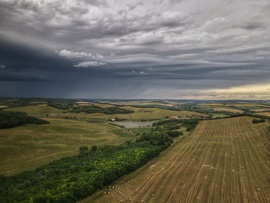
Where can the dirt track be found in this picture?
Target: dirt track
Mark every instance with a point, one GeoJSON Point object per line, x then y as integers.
{"type": "Point", "coordinates": [222, 161]}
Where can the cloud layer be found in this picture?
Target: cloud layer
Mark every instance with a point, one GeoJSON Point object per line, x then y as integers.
{"type": "Point", "coordinates": [138, 49]}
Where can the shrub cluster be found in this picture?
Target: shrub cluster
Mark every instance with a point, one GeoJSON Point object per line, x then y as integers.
{"type": "Point", "coordinates": [258, 121]}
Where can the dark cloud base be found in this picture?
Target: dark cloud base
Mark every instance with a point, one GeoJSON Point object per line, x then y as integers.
{"type": "Point", "coordinates": [120, 49]}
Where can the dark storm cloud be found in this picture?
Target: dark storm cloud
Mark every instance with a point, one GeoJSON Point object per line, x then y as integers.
{"type": "Point", "coordinates": [244, 73]}
{"type": "Point", "coordinates": [22, 76]}
{"type": "Point", "coordinates": [20, 57]}
{"type": "Point", "coordinates": [145, 47]}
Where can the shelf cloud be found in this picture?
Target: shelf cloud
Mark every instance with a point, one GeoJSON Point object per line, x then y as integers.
{"type": "Point", "coordinates": [197, 49]}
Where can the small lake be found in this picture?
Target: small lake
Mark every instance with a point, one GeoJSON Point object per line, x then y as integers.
{"type": "Point", "coordinates": [134, 124]}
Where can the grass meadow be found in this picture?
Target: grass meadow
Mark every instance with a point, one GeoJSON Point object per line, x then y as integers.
{"type": "Point", "coordinates": [30, 146]}
{"type": "Point", "coordinates": [27, 147]}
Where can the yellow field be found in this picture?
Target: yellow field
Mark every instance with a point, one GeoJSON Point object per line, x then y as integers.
{"type": "Point", "coordinates": [211, 104]}
{"type": "Point", "coordinates": [223, 160]}
{"type": "Point", "coordinates": [247, 105]}
{"type": "Point", "coordinates": [264, 113]}
{"type": "Point", "coordinates": [260, 110]}
{"type": "Point", "coordinates": [102, 105]}
{"type": "Point", "coordinates": [231, 110]}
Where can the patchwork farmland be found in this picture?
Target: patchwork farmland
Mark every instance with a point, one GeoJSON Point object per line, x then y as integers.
{"type": "Point", "coordinates": [226, 160]}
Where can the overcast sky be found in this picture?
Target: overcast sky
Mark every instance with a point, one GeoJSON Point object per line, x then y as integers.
{"type": "Point", "coordinates": [119, 49]}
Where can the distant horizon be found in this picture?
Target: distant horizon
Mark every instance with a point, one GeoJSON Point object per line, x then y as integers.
{"type": "Point", "coordinates": [138, 99]}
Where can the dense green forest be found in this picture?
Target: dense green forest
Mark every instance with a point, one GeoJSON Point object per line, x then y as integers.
{"type": "Point", "coordinates": [70, 106]}
{"type": "Point", "coordinates": [97, 109]}
{"type": "Point", "coordinates": [10, 119]}
{"type": "Point", "coordinates": [74, 178]}
{"type": "Point", "coordinates": [63, 104]}
{"type": "Point", "coordinates": [16, 102]}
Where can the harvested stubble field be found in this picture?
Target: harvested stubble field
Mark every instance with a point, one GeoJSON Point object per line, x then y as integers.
{"type": "Point", "coordinates": [224, 160]}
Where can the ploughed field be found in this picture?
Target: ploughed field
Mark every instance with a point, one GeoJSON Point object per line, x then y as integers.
{"type": "Point", "coordinates": [226, 160]}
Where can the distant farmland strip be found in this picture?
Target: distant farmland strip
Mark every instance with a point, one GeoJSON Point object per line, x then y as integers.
{"type": "Point", "coordinates": [224, 160]}
{"type": "Point", "coordinates": [231, 110]}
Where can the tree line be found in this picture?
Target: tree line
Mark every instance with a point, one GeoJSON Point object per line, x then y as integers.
{"type": "Point", "coordinates": [190, 124]}
{"type": "Point", "coordinates": [10, 119]}
{"type": "Point", "coordinates": [97, 109]}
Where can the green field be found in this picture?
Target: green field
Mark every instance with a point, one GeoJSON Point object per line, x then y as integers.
{"type": "Point", "coordinates": [147, 114]}
{"type": "Point", "coordinates": [139, 113]}
{"type": "Point", "coordinates": [27, 147]}
{"type": "Point", "coordinates": [40, 110]}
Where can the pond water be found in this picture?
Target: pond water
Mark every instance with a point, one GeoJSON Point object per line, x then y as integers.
{"type": "Point", "coordinates": [134, 124]}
